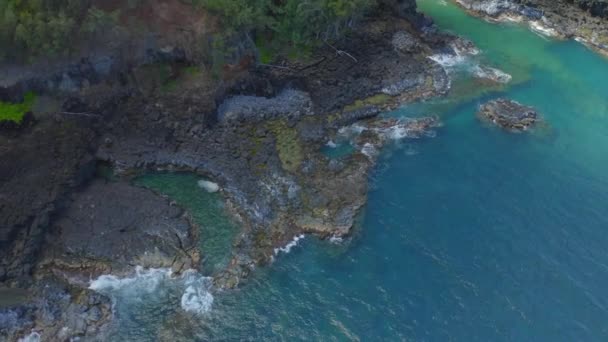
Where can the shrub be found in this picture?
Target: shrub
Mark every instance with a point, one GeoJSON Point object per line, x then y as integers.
{"type": "Point", "coordinates": [15, 111]}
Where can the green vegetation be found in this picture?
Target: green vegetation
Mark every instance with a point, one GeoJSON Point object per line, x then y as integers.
{"type": "Point", "coordinates": [41, 28]}
{"type": "Point", "coordinates": [15, 111]}
{"type": "Point", "coordinates": [35, 28]}
{"type": "Point", "coordinates": [375, 100]}
{"type": "Point", "coordinates": [297, 24]}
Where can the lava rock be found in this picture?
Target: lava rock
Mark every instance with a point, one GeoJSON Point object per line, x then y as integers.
{"type": "Point", "coordinates": [508, 114]}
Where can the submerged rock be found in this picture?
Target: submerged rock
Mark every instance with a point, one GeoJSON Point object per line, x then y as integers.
{"type": "Point", "coordinates": [508, 114]}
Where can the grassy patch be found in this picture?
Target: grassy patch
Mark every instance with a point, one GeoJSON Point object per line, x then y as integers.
{"type": "Point", "coordinates": [287, 144]}
{"type": "Point", "coordinates": [15, 111]}
{"type": "Point", "coordinates": [376, 100]}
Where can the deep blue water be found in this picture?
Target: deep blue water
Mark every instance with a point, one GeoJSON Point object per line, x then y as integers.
{"type": "Point", "coordinates": [480, 235]}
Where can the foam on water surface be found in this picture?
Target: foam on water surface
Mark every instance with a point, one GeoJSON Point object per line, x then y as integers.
{"type": "Point", "coordinates": [196, 296]}
{"type": "Point", "coordinates": [287, 248]}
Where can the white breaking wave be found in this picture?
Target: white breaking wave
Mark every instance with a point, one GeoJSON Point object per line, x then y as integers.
{"type": "Point", "coordinates": [336, 239]}
{"type": "Point", "coordinates": [196, 297]}
{"type": "Point", "coordinates": [32, 337]}
{"type": "Point", "coordinates": [447, 60]}
{"type": "Point", "coordinates": [290, 245]}
{"type": "Point", "coordinates": [454, 63]}
{"type": "Point", "coordinates": [397, 132]}
{"type": "Point", "coordinates": [146, 280]}
{"type": "Point", "coordinates": [354, 129]}
{"type": "Point", "coordinates": [369, 150]}
{"type": "Point", "coordinates": [491, 73]}
{"type": "Point", "coordinates": [331, 144]}
{"type": "Point", "coordinates": [539, 27]}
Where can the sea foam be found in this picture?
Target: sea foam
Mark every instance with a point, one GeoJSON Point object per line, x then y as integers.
{"type": "Point", "coordinates": [491, 73]}
{"type": "Point", "coordinates": [541, 28]}
{"type": "Point", "coordinates": [32, 337]}
{"type": "Point", "coordinates": [196, 296]}
{"type": "Point", "coordinates": [145, 280]}
{"type": "Point", "coordinates": [448, 60]}
{"type": "Point", "coordinates": [287, 248]}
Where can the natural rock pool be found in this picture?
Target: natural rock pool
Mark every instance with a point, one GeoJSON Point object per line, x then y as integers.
{"type": "Point", "coordinates": [477, 235]}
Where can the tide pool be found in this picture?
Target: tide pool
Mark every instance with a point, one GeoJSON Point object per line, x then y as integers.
{"type": "Point", "coordinates": [475, 235]}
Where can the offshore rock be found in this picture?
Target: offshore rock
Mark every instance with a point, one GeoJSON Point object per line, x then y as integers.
{"type": "Point", "coordinates": [508, 114]}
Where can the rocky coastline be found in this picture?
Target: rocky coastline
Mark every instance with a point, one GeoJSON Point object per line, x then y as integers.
{"type": "Point", "coordinates": [257, 132]}
{"type": "Point", "coordinates": [584, 21]}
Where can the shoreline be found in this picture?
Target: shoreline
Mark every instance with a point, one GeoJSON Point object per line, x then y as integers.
{"type": "Point", "coordinates": [259, 140]}
{"type": "Point", "coordinates": [540, 23]}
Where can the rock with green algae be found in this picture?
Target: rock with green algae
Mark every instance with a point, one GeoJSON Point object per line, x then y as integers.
{"type": "Point", "coordinates": [15, 112]}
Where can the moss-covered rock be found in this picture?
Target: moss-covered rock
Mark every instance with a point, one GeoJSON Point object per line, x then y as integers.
{"type": "Point", "coordinates": [288, 145]}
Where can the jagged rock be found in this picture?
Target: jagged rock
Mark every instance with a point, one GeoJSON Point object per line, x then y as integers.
{"type": "Point", "coordinates": [580, 19]}
{"type": "Point", "coordinates": [508, 114]}
{"type": "Point", "coordinates": [404, 42]}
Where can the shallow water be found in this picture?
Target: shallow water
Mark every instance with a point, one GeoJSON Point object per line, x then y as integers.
{"type": "Point", "coordinates": [217, 231]}
{"type": "Point", "coordinates": [475, 235]}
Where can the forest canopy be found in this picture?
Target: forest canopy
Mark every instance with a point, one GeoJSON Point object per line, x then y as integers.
{"type": "Point", "coordinates": [289, 21]}
{"type": "Point", "coordinates": [35, 28]}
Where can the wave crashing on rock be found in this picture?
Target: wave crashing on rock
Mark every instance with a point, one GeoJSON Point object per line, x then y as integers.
{"type": "Point", "coordinates": [196, 296]}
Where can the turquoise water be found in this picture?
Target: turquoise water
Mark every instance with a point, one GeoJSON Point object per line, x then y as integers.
{"type": "Point", "coordinates": [217, 231]}
{"type": "Point", "coordinates": [480, 235]}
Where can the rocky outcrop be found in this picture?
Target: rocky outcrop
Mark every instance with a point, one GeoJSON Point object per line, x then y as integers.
{"type": "Point", "coordinates": [581, 20]}
{"type": "Point", "coordinates": [401, 8]}
{"type": "Point", "coordinates": [264, 151]}
{"type": "Point", "coordinates": [508, 114]}
{"type": "Point", "coordinates": [109, 227]}
{"type": "Point", "coordinates": [262, 148]}
{"type": "Point", "coordinates": [41, 164]}
{"type": "Point", "coordinates": [597, 8]}
{"type": "Point", "coordinates": [496, 8]}
{"type": "Point", "coordinates": [55, 311]}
